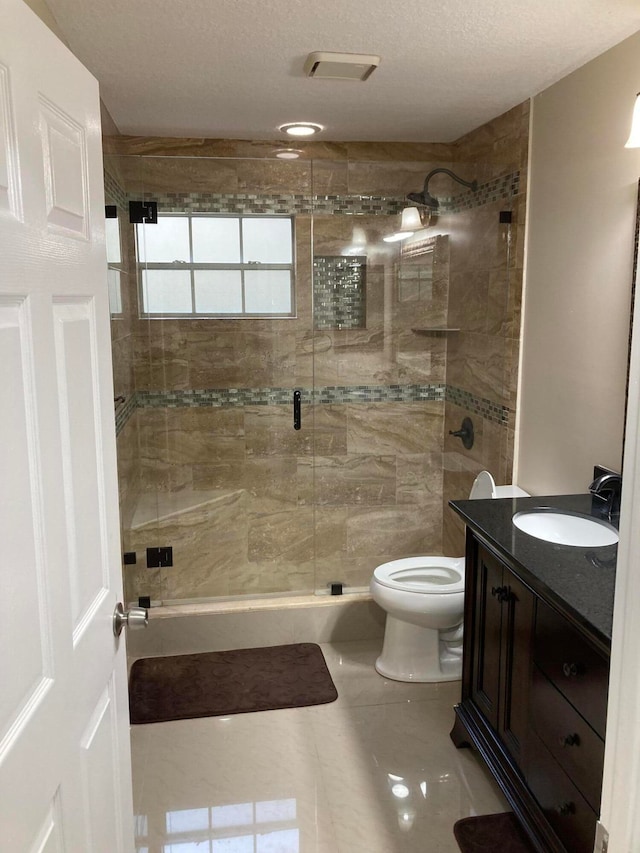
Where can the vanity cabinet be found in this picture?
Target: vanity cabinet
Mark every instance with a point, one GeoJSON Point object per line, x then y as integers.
{"type": "Point", "coordinates": [534, 696]}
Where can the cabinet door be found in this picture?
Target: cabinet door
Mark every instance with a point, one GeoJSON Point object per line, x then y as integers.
{"type": "Point", "coordinates": [485, 687]}
{"type": "Point", "coordinates": [515, 675]}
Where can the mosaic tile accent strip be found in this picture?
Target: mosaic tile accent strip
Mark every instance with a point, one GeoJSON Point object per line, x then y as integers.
{"type": "Point", "coordinates": [112, 188]}
{"type": "Point", "coordinates": [124, 411]}
{"type": "Point", "coordinates": [283, 204]}
{"type": "Point", "coordinates": [327, 395]}
{"type": "Point", "coordinates": [495, 412]}
{"type": "Point", "coordinates": [505, 187]}
{"type": "Point", "coordinates": [230, 397]}
{"type": "Point", "coordinates": [339, 292]}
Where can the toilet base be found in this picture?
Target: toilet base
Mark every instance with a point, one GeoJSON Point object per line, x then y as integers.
{"type": "Point", "coordinates": [423, 655]}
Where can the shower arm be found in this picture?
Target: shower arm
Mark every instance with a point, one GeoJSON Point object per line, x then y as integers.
{"type": "Point", "coordinates": [473, 185]}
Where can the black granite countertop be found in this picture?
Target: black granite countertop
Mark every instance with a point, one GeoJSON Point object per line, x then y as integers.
{"type": "Point", "coordinates": [578, 581]}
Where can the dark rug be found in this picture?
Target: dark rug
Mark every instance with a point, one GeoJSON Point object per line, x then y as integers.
{"type": "Point", "coordinates": [215, 684]}
{"type": "Point", "coordinates": [490, 833]}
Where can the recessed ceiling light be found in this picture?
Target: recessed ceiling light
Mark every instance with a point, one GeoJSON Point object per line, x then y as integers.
{"type": "Point", "coordinates": [287, 153]}
{"type": "Point", "coordinates": [301, 128]}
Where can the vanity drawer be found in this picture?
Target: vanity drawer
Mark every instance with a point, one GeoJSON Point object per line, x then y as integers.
{"type": "Point", "coordinates": [573, 821]}
{"type": "Point", "coordinates": [571, 741]}
{"type": "Point", "coordinates": [575, 667]}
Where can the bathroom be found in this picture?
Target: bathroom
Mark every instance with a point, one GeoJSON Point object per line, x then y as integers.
{"type": "Point", "coordinates": [435, 336]}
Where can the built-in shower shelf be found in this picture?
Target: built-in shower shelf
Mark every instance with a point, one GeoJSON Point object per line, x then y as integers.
{"type": "Point", "coordinates": [432, 330]}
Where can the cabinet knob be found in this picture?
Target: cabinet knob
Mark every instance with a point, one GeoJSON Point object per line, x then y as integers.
{"type": "Point", "coordinates": [569, 740]}
{"type": "Point", "coordinates": [565, 809]}
{"type": "Point", "coordinates": [502, 593]}
{"type": "Point", "coordinates": [572, 670]}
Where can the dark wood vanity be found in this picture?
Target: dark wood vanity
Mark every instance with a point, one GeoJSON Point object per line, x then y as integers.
{"type": "Point", "coordinates": [535, 676]}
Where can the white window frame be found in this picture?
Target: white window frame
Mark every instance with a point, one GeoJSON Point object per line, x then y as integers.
{"type": "Point", "coordinates": [191, 267]}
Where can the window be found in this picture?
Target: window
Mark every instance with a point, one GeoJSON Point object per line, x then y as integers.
{"type": "Point", "coordinates": [204, 265]}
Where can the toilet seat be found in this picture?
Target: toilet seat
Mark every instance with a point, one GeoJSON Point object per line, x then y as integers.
{"type": "Point", "coordinates": [426, 575]}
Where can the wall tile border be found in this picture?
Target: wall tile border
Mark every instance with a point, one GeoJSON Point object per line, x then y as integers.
{"type": "Point", "coordinates": [504, 187]}
{"type": "Point", "coordinates": [326, 395]}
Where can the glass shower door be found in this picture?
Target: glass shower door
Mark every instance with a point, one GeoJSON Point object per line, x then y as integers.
{"type": "Point", "coordinates": [224, 288]}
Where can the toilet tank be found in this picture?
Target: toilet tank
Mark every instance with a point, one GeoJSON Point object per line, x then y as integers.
{"type": "Point", "coordinates": [484, 486]}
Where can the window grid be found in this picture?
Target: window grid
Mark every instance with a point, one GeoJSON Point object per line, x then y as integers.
{"type": "Point", "coordinates": [193, 267]}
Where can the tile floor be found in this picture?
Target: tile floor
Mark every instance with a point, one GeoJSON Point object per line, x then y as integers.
{"type": "Point", "coordinates": [373, 772]}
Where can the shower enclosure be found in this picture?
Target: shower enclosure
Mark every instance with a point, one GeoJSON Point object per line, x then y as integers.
{"type": "Point", "coordinates": [262, 278]}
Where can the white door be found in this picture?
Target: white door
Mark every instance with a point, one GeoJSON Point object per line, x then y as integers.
{"type": "Point", "coordinates": [64, 752]}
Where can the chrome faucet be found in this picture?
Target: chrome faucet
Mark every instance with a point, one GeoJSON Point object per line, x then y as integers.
{"type": "Point", "coordinates": [607, 488]}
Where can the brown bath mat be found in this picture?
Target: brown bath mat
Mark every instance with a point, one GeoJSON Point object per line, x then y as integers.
{"type": "Point", "coordinates": [215, 684]}
{"type": "Point", "coordinates": [491, 832]}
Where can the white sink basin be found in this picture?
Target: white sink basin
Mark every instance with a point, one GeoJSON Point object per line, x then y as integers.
{"type": "Point", "coordinates": [565, 528]}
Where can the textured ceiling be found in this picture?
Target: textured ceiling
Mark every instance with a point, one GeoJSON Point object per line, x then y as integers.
{"type": "Point", "coordinates": [233, 68]}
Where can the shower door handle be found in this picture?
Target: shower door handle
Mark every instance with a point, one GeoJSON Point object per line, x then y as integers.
{"type": "Point", "coordinates": [297, 414]}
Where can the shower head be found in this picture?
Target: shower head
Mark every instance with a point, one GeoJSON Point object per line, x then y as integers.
{"type": "Point", "coordinates": [426, 199]}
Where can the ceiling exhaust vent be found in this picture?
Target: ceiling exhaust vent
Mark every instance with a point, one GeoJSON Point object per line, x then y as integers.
{"type": "Point", "coordinates": [341, 66]}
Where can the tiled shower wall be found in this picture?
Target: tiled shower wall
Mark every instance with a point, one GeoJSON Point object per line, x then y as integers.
{"type": "Point", "coordinates": [260, 507]}
{"type": "Point", "coordinates": [485, 298]}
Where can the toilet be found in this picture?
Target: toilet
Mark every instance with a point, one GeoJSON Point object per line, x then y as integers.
{"type": "Point", "coordinates": [424, 601]}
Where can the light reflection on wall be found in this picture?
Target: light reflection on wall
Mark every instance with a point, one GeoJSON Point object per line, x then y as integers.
{"type": "Point", "coordinates": [267, 826]}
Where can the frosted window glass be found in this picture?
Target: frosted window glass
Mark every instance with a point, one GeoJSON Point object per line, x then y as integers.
{"type": "Point", "coordinates": [112, 235]}
{"type": "Point", "coordinates": [184, 820]}
{"type": "Point", "coordinates": [284, 841]}
{"type": "Point", "coordinates": [237, 844]}
{"type": "Point", "coordinates": [267, 291]}
{"type": "Point", "coordinates": [238, 814]}
{"type": "Point", "coordinates": [267, 240]}
{"type": "Point", "coordinates": [166, 291]}
{"type": "Point", "coordinates": [115, 291]}
{"type": "Point", "coordinates": [164, 242]}
{"type": "Point", "coordinates": [218, 291]}
{"type": "Point", "coordinates": [216, 240]}
{"type": "Point", "coordinates": [184, 847]}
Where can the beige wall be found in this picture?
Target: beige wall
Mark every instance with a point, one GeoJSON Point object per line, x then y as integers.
{"type": "Point", "coordinates": [583, 188]}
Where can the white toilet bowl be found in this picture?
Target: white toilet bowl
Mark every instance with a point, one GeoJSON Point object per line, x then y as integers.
{"type": "Point", "coordinates": [424, 601]}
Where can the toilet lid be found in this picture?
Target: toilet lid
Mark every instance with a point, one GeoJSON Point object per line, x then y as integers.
{"type": "Point", "coordinates": [432, 575]}
{"type": "Point", "coordinates": [484, 486]}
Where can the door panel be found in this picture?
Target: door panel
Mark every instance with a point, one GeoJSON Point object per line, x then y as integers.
{"type": "Point", "coordinates": [515, 678]}
{"type": "Point", "coordinates": [488, 623]}
{"type": "Point", "coordinates": [64, 751]}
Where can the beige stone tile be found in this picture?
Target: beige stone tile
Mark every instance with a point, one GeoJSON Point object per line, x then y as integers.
{"type": "Point", "coordinates": [180, 174]}
{"type": "Point", "coordinates": [354, 480]}
{"type": "Point", "coordinates": [419, 477]}
{"type": "Point", "coordinates": [271, 483]}
{"type": "Point", "coordinates": [274, 176]}
{"type": "Point", "coordinates": [401, 531]}
{"type": "Point", "coordinates": [387, 178]}
{"type": "Point", "coordinates": [330, 178]}
{"type": "Point", "coordinates": [330, 532]}
{"type": "Point", "coordinates": [219, 475]}
{"type": "Point", "coordinates": [370, 748]}
{"type": "Point", "coordinates": [329, 425]}
{"type": "Point", "coordinates": [285, 535]}
{"type": "Point", "coordinates": [394, 427]}
{"type": "Point", "coordinates": [468, 300]}
{"type": "Point", "coordinates": [349, 621]}
{"type": "Point", "coordinates": [269, 431]}
{"type": "Point", "coordinates": [253, 359]}
{"type": "Point", "coordinates": [271, 576]}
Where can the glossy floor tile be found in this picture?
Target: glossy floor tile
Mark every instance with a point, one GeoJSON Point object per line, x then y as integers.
{"type": "Point", "coordinates": [373, 772]}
